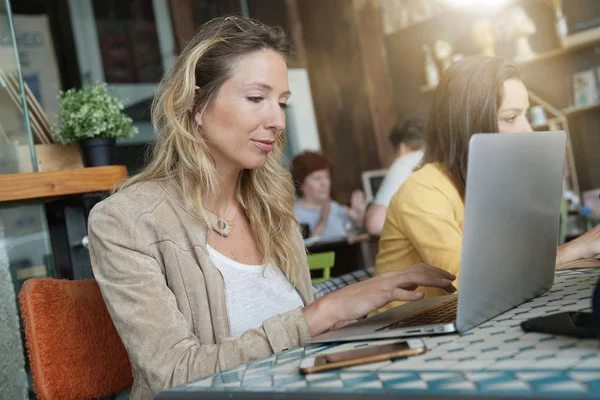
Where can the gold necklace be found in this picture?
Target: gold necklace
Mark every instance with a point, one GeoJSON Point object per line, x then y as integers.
{"type": "Point", "coordinates": [231, 222]}
{"type": "Point", "coordinates": [226, 225]}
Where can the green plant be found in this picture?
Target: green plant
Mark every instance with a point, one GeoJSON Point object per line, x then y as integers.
{"type": "Point", "coordinates": [92, 111]}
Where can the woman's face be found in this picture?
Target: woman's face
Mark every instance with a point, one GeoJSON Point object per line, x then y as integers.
{"type": "Point", "coordinates": [512, 115]}
{"type": "Point", "coordinates": [247, 116]}
{"type": "Point", "coordinates": [317, 186]}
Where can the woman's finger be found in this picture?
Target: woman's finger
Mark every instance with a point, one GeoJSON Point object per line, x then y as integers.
{"type": "Point", "coordinates": [422, 279]}
{"type": "Point", "coordinates": [450, 289]}
{"type": "Point", "coordinates": [432, 269]}
{"type": "Point", "coordinates": [406, 295]}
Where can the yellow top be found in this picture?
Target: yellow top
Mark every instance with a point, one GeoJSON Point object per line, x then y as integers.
{"type": "Point", "coordinates": [424, 224]}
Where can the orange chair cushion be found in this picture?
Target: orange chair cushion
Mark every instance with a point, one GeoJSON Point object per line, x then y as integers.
{"type": "Point", "coordinates": [74, 349]}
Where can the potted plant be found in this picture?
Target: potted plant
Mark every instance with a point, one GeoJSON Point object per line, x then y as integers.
{"type": "Point", "coordinates": [93, 117]}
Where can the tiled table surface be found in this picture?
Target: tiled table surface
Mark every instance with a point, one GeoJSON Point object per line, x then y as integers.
{"type": "Point", "coordinates": [495, 358]}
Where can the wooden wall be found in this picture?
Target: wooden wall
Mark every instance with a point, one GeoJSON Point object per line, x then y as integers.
{"type": "Point", "coordinates": [348, 115]}
{"type": "Point", "coordinates": [368, 17]}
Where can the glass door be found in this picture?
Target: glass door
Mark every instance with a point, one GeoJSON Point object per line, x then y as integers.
{"type": "Point", "coordinates": [24, 239]}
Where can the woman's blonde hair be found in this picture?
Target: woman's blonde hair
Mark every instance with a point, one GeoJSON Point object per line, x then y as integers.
{"type": "Point", "coordinates": [181, 155]}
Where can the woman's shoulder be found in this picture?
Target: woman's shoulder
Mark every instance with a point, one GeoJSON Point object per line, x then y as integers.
{"type": "Point", "coordinates": [150, 211]}
{"type": "Point", "coordinates": [135, 199]}
{"type": "Point", "coordinates": [428, 180]}
{"type": "Point", "coordinates": [430, 173]}
{"type": "Point", "coordinates": [147, 202]}
{"type": "Point", "coordinates": [430, 176]}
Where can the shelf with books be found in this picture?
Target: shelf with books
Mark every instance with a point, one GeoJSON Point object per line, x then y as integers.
{"type": "Point", "coordinates": [570, 44]}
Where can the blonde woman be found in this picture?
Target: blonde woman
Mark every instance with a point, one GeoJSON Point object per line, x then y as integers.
{"type": "Point", "coordinates": [199, 257]}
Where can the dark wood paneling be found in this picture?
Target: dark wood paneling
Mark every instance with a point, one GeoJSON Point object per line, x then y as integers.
{"type": "Point", "coordinates": [270, 12]}
{"type": "Point", "coordinates": [283, 14]}
{"type": "Point", "coordinates": [377, 76]}
{"type": "Point", "coordinates": [205, 10]}
{"type": "Point", "coordinates": [339, 89]}
{"type": "Point", "coordinates": [299, 52]}
{"type": "Point", "coordinates": [184, 26]}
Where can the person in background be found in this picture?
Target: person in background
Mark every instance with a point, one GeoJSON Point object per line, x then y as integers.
{"type": "Point", "coordinates": [407, 141]}
{"type": "Point", "coordinates": [314, 208]}
{"type": "Point", "coordinates": [199, 257]}
{"type": "Point", "coordinates": [424, 222]}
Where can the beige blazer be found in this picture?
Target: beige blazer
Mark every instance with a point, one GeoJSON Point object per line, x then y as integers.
{"type": "Point", "coordinates": [166, 297]}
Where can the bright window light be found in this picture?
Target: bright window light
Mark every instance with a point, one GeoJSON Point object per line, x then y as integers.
{"type": "Point", "coordinates": [478, 5]}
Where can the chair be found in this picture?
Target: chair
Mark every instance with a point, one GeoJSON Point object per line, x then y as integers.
{"type": "Point", "coordinates": [321, 261]}
{"type": "Point", "coordinates": [74, 349]}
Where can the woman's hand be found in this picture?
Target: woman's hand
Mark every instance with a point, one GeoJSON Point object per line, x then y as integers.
{"type": "Point", "coordinates": [358, 208]}
{"type": "Point", "coordinates": [357, 300]}
{"type": "Point", "coordinates": [585, 246]}
{"type": "Point", "coordinates": [322, 222]}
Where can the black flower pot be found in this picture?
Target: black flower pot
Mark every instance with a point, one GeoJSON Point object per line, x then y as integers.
{"type": "Point", "coordinates": [97, 151]}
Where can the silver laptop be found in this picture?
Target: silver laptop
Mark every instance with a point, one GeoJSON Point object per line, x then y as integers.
{"type": "Point", "coordinates": [371, 182]}
{"type": "Point", "coordinates": [510, 235]}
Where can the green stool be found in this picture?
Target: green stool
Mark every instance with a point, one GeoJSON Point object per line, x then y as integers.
{"type": "Point", "coordinates": [321, 261]}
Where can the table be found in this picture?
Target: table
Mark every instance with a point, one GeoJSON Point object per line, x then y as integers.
{"type": "Point", "coordinates": [495, 359]}
{"type": "Point", "coordinates": [64, 191]}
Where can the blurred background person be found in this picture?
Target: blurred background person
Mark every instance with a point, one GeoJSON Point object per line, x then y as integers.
{"type": "Point", "coordinates": [314, 208]}
{"type": "Point", "coordinates": [407, 140]}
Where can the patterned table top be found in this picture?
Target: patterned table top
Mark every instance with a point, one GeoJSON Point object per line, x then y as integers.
{"type": "Point", "coordinates": [495, 358]}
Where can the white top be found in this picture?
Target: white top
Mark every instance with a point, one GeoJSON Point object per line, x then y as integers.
{"type": "Point", "coordinates": [252, 296]}
{"type": "Point", "coordinates": [399, 172]}
{"type": "Point", "coordinates": [337, 222]}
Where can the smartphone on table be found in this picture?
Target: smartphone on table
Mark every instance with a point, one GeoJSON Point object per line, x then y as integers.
{"type": "Point", "coordinates": [364, 355]}
{"type": "Point", "coordinates": [570, 323]}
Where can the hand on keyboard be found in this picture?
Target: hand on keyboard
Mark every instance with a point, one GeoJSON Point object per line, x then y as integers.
{"type": "Point", "coordinates": [356, 300]}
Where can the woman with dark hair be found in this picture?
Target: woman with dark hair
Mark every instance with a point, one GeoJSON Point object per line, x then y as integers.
{"type": "Point", "coordinates": [407, 140]}
{"type": "Point", "coordinates": [424, 222]}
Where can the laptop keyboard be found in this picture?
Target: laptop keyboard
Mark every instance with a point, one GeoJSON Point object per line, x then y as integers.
{"type": "Point", "coordinates": [441, 314]}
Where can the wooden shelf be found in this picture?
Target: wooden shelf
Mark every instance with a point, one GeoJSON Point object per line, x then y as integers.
{"type": "Point", "coordinates": [584, 38]}
{"type": "Point", "coordinates": [579, 109]}
{"type": "Point", "coordinates": [428, 88]}
{"type": "Point", "coordinates": [547, 55]}
{"type": "Point", "coordinates": [39, 185]}
{"type": "Point", "coordinates": [572, 43]}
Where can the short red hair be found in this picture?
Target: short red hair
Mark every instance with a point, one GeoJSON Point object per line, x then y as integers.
{"type": "Point", "coordinates": [305, 164]}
